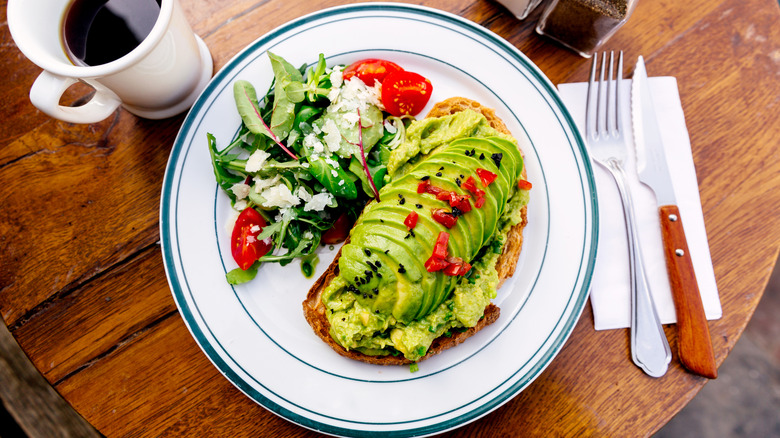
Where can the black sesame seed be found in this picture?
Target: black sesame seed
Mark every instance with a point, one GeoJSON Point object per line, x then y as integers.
{"type": "Point", "coordinates": [386, 251]}
{"type": "Point", "coordinates": [457, 181]}
{"type": "Point", "coordinates": [481, 156]}
{"type": "Point", "coordinates": [400, 196]}
{"type": "Point", "coordinates": [401, 269]}
{"type": "Point", "coordinates": [376, 290]}
{"type": "Point", "coordinates": [456, 212]}
{"type": "Point", "coordinates": [418, 205]}
{"type": "Point", "coordinates": [497, 159]}
{"type": "Point", "coordinates": [382, 220]}
{"type": "Point", "coordinates": [402, 201]}
{"type": "Point", "coordinates": [377, 264]}
{"type": "Point", "coordinates": [407, 236]}
{"type": "Point", "coordinates": [438, 173]}
{"type": "Point", "coordinates": [368, 252]}
{"type": "Point", "coordinates": [425, 178]}
{"type": "Point", "coordinates": [441, 168]}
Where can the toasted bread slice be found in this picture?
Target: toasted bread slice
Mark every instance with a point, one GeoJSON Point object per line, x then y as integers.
{"type": "Point", "coordinates": [314, 309]}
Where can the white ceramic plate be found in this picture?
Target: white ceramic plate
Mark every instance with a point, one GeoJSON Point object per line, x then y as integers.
{"type": "Point", "coordinates": [256, 335]}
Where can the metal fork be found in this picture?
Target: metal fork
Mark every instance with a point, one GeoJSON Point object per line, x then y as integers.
{"type": "Point", "coordinates": [606, 142]}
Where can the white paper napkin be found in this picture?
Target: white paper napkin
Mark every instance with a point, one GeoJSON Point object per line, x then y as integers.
{"type": "Point", "coordinates": [610, 293]}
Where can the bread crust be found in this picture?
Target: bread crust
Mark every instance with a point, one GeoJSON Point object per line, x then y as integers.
{"type": "Point", "coordinates": [314, 309]}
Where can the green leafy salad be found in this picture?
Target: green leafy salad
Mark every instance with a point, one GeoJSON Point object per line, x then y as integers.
{"type": "Point", "coordinates": [309, 155]}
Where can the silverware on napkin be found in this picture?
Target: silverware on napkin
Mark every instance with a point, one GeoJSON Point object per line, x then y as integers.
{"type": "Point", "coordinates": [693, 335]}
{"type": "Point", "coordinates": [607, 145]}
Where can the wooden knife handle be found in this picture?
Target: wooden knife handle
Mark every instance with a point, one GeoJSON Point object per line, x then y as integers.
{"type": "Point", "coordinates": [693, 333]}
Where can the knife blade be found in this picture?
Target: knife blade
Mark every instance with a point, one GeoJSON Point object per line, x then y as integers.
{"type": "Point", "coordinates": [693, 334]}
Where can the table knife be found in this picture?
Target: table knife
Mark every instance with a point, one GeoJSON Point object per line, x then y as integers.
{"type": "Point", "coordinates": [693, 334]}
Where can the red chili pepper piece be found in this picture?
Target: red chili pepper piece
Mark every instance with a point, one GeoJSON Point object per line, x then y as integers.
{"type": "Point", "coordinates": [461, 202]}
{"type": "Point", "coordinates": [524, 185]}
{"type": "Point", "coordinates": [434, 264]}
{"type": "Point", "coordinates": [456, 260]}
{"type": "Point", "coordinates": [426, 187]}
{"type": "Point", "coordinates": [444, 195]}
{"type": "Point", "coordinates": [486, 176]}
{"type": "Point", "coordinates": [440, 248]}
{"type": "Point", "coordinates": [444, 217]}
{"type": "Point", "coordinates": [470, 184]}
{"type": "Point", "coordinates": [437, 260]}
{"type": "Point", "coordinates": [456, 266]}
{"type": "Point", "coordinates": [433, 190]}
{"type": "Point", "coordinates": [452, 269]}
{"type": "Point", "coordinates": [411, 220]}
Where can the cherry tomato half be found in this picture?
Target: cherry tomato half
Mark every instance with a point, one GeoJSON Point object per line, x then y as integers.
{"type": "Point", "coordinates": [371, 70]}
{"type": "Point", "coordinates": [404, 92]}
{"type": "Point", "coordinates": [339, 231]}
{"type": "Point", "coordinates": [245, 247]}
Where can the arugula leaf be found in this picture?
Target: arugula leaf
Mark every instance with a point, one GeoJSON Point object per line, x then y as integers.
{"type": "Point", "coordinates": [224, 178]}
{"type": "Point", "coordinates": [269, 230]}
{"type": "Point", "coordinates": [284, 259]}
{"type": "Point", "coordinates": [314, 78]}
{"type": "Point", "coordinates": [339, 184]}
{"type": "Point", "coordinates": [284, 104]}
{"type": "Point", "coordinates": [246, 102]}
{"type": "Point", "coordinates": [377, 174]}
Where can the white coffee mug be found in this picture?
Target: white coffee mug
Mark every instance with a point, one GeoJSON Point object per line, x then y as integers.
{"type": "Point", "coordinates": [160, 78]}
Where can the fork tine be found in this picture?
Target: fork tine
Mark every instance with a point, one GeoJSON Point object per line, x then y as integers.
{"type": "Point", "coordinates": [601, 127]}
{"type": "Point", "coordinates": [591, 104]}
{"type": "Point", "coordinates": [611, 96]}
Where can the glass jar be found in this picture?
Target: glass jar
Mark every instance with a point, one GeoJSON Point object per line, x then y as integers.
{"type": "Point", "coordinates": [520, 8]}
{"type": "Point", "coordinates": [584, 25]}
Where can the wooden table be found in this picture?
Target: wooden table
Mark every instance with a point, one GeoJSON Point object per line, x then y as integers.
{"type": "Point", "coordinates": [82, 285]}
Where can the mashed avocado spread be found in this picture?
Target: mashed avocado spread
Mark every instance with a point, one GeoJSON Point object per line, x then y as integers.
{"type": "Point", "coordinates": [384, 300]}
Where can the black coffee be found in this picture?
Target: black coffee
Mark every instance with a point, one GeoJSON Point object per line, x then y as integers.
{"type": "Point", "coordinates": [97, 32]}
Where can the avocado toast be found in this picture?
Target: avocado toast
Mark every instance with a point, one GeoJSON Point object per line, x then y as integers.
{"type": "Point", "coordinates": [402, 290]}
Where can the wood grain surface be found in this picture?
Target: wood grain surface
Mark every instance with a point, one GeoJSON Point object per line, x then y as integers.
{"type": "Point", "coordinates": [83, 289]}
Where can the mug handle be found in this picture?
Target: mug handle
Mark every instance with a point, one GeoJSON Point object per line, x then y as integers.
{"type": "Point", "coordinates": [48, 88]}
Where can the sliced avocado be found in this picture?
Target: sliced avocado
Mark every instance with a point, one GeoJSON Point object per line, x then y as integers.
{"type": "Point", "coordinates": [415, 294]}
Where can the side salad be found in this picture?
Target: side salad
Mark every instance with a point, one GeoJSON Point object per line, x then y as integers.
{"type": "Point", "coordinates": [309, 155]}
